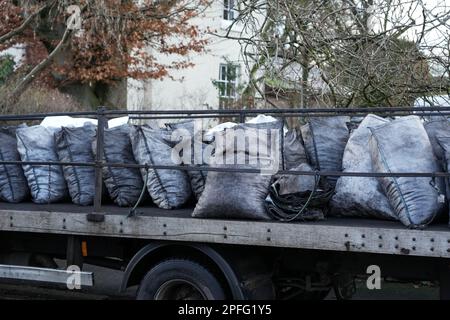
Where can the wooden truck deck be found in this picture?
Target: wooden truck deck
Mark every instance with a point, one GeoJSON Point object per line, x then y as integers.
{"type": "Point", "coordinates": [337, 234]}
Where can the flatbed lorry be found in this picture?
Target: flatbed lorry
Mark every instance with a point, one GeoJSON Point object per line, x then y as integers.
{"type": "Point", "coordinates": [170, 255]}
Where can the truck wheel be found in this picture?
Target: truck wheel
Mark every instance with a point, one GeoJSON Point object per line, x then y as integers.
{"type": "Point", "coordinates": [180, 279]}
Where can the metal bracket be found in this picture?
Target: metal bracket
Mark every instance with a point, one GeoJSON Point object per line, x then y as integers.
{"type": "Point", "coordinates": [86, 279]}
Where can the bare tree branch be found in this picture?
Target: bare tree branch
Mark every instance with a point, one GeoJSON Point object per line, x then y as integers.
{"type": "Point", "coordinates": [25, 24]}
{"type": "Point", "coordinates": [38, 68]}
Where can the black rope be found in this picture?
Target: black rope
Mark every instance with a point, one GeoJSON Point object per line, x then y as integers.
{"type": "Point", "coordinates": [300, 212]}
{"type": "Point", "coordinates": [299, 206]}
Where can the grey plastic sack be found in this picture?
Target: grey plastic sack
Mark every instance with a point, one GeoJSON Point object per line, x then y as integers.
{"type": "Point", "coordinates": [75, 145]}
{"type": "Point", "coordinates": [13, 184]}
{"type": "Point", "coordinates": [444, 143]}
{"type": "Point", "coordinates": [191, 141]}
{"type": "Point", "coordinates": [273, 130]}
{"type": "Point", "coordinates": [197, 178]}
{"type": "Point", "coordinates": [360, 196]}
{"type": "Point", "coordinates": [235, 194]}
{"type": "Point", "coordinates": [294, 152]}
{"type": "Point", "coordinates": [124, 185]}
{"type": "Point", "coordinates": [169, 188]}
{"type": "Point", "coordinates": [325, 139]}
{"type": "Point", "coordinates": [46, 182]}
{"type": "Point", "coordinates": [437, 128]}
{"type": "Point", "coordinates": [403, 146]}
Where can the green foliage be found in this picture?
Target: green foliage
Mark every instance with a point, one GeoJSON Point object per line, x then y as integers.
{"type": "Point", "coordinates": [6, 67]}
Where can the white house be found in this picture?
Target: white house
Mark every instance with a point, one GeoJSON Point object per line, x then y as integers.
{"type": "Point", "coordinates": [194, 88]}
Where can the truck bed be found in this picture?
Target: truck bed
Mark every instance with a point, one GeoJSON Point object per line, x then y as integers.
{"type": "Point", "coordinates": [337, 234]}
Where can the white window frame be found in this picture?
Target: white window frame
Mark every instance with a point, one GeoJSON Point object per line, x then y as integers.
{"type": "Point", "coordinates": [225, 91]}
{"type": "Point", "coordinates": [229, 10]}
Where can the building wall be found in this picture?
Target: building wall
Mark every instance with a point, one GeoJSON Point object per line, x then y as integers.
{"type": "Point", "coordinates": [192, 88]}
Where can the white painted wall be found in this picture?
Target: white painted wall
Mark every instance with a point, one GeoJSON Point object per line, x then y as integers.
{"type": "Point", "coordinates": [193, 87]}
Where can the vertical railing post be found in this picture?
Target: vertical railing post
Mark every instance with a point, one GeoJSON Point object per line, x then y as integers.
{"type": "Point", "coordinates": [97, 215]}
{"type": "Point", "coordinates": [242, 116]}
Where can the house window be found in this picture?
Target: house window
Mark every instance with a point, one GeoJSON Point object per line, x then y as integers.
{"type": "Point", "coordinates": [228, 80]}
{"type": "Point", "coordinates": [229, 12]}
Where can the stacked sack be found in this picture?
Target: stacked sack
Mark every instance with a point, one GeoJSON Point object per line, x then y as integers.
{"type": "Point", "coordinates": [325, 139]}
{"type": "Point", "coordinates": [46, 182]}
{"type": "Point", "coordinates": [127, 144]}
{"type": "Point", "coordinates": [382, 146]}
{"type": "Point", "coordinates": [168, 188]}
{"type": "Point", "coordinates": [376, 145]}
{"type": "Point", "coordinates": [73, 144]}
{"type": "Point", "coordinates": [237, 194]}
{"type": "Point", "coordinates": [123, 184]}
{"type": "Point", "coordinates": [305, 197]}
{"type": "Point", "coordinates": [360, 196]}
{"type": "Point", "coordinates": [267, 195]}
{"type": "Point", "coordinates": [13, 184]}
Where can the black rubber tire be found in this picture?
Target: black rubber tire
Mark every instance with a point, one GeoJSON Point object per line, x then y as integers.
{"type": "Point", "coordinates": [184, 270]}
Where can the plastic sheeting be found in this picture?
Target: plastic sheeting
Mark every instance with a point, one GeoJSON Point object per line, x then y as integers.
{"type": "Point", "coordinates": [360, 196]}
{"type": "Point", "coordinates": [66, 121]}
{"type": "Point", "coordinates": [325, 139]}
{"type": "Point", "coordinates": [262, 118]}
{"type": "Point", "coordinates": [209, 135]}
{"type": "Point", "coordinates": [232, 194]}
{"type": "Point", "coordinates": [46, 182]}
{"type": "Point", "coordinates": [117, 122]}
{"type": "Point", "coordinates": [403, 146]}
{"type": "Point", "coordinates": [124, 185]}
{"type": "Point", "coordinates": [74, 145]}
{"type": "Point", "coordinates": [169, 188]}
{"type": "Point", "coordinates": [13, 184]}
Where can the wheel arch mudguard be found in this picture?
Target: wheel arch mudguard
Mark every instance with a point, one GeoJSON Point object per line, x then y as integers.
{"type": "Point", "coordinates": [132, 271]}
